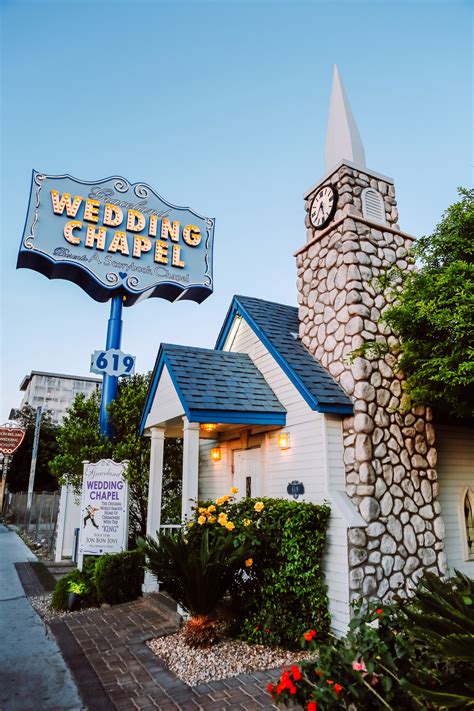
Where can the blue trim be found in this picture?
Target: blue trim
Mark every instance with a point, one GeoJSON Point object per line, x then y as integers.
{"type": "Point", "coordinates": [310, 399]}
{"type": "Point", "coordinates": [155, 377]}
{"type": "Point", "coordinates": [244, 418]}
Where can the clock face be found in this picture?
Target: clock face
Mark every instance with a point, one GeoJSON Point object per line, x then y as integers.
{"type": "Point", "coordinates": [323, 207]}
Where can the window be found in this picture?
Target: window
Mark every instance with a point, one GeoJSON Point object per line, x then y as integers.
{"type": "Point", "coordinates": [468, 511]}
{"type": "Point", "coordinates": [373, 207]}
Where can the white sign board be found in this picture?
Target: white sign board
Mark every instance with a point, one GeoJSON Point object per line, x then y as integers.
{"type": "Point", "coordinates": [113, 362]}
{"type": "Point", "coordinates": [104, 508]}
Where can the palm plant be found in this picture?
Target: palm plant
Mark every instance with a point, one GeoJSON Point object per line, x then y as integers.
{"type": "Point", "coordinates": [197, 572]}
{"type": "Point", "coordinates": [441, 619]}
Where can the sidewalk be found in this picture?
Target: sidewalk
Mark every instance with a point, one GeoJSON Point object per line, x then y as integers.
{"type": "Point", "coordinates": [34, 674]}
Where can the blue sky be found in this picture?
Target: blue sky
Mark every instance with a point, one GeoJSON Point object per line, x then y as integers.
{"type": "Point", "coordinates": [221, 106]}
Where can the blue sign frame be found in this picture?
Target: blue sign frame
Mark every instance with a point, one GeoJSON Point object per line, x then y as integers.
{"type": "Point", "coordinates": [112, 237]}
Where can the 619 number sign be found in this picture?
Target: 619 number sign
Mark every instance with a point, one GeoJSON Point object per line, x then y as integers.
{"type": "Point", "coordinates": [112, 362]}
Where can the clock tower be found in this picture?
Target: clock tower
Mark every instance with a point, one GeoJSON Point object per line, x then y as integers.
{"type": "Point", "coordinates": [352, 238]}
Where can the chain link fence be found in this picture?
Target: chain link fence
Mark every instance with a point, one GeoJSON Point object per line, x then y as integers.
{"type": "Point", "coordinates": [39, 523]}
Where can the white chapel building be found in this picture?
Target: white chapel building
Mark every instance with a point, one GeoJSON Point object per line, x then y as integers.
{"type": "Point", "coordinates": [278, 410]}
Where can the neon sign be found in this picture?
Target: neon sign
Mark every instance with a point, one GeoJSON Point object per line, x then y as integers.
{"type": "Point", "coordinates": [113, 237]}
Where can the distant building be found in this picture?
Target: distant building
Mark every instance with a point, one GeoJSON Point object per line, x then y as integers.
{"type": "Point", "coordinates": [55, 391]}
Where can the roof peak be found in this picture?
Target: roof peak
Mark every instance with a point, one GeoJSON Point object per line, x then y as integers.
{"type": "Point", "coordinates": [343, 141]}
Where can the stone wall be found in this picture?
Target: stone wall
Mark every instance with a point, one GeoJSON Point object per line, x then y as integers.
{"type": "Point", "coordinates": [390, 457]}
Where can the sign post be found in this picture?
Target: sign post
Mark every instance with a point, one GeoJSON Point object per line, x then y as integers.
{"type": "Point", "coordinates": [104, 509]}
{"type": "Point", "coordinates": [118, 241]}
{"type": "Point", "coordinates": [11, 437]}
{"type": "Point", "coordinates": [34, 456]}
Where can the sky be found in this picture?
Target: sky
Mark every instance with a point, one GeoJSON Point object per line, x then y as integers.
{"type": "Point", "coordinates": [220, 105]}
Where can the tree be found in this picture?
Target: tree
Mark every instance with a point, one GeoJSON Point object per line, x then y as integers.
{"type": "Point", "coordinates": [19, 469]}
{"type": "Point", "coordinates": [433, 314]}
{"type": "Point", "coordinates": [79, 439]}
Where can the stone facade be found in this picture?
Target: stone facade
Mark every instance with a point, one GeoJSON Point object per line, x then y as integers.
{"type": "Point", "coordinates": [389, 452]}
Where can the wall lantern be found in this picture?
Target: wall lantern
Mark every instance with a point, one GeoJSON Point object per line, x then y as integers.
{"type": "Point", "coordinates": [209, 427]}
{"type": "Point", "coordinates": [216, 454]}
{"type": "Point", "coordinates": [283, 440]}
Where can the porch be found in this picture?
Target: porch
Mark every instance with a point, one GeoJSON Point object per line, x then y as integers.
{"type": "Point", "coordinates": [217, 402]}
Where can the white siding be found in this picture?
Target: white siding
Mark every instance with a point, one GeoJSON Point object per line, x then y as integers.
{"type": "Point", "coordinates": [455, 473]}
{"type": "Point", "coordinates": [166, 403]}
{"type": "Point", "coordinates": [314, 457]}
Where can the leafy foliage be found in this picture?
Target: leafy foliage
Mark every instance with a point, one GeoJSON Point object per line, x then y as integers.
{"type": "Point", "coordinates": [80, 439]}
{"type": "Point", "coordinates": [410, 655]}
{"type": "Point", "coordinates": [118, 577]}
{"type": "Point", "coordinates": [197, 572]}
{"type": "Point", "coordinates": [432, 314]}
{"type": "Point", "coordinates": [282, 591]}
{"type": "Point", "coordinates": [67, 584]}
{"type": "Point", "coordinates": [19, 469]}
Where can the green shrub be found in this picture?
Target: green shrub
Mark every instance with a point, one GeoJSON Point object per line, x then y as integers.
{"type": "Point", "coordinates": [282, 592]}
{"type": "Point", "coordinates": [118, 577]}
{"type": "Point", "coordinates": [62, 589]}
{"type": "Point", "coordinates": [409, 655]}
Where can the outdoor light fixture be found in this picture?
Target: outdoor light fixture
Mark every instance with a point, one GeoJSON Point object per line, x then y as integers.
{"type": "Point", "coordinates": [209, 427]}
{"type": "Point", "coordinates": [283, 440]}
{"type": "Point", "coordinates": [216, 454]}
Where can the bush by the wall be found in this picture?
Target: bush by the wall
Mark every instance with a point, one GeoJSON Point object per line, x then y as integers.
{"type": "Point", "coordinates": [285, 593]}
{"type": "Point", "coordinates": [119, 577]}
{"type": "Point", "coordinates": [282, 592]}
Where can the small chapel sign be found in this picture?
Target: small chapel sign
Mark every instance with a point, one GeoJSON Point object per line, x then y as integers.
{"type": "Point", "coordinates": [104, 508]}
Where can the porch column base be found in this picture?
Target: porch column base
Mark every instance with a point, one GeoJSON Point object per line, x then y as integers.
{"type": "Point", "coordinates": [153, 518]}
{"type": "Point", "coordinates": [150, 584]}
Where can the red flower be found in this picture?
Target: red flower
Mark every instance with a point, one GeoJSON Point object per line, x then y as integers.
{"type": "Point", "coordinates": [312, 706]}
{"type": "Point", "coordinates": [270, 688]}
{"type": "Point", "coordinates": [337, 688]}
{"type": "Point", "coordinates": [292, 689]}
{"type": "Point", "coordinates": [309, 635]}
{"type": "Point", "coordinates": [379, 611]}
{"type": "Point", "coordinates": [296, 672]}
{"type": "Point", "coordinates": [267, 630]}
{"type": "Point", "coordinates": [329, 681]}
{"type": "Point", "coordinates": [256, 627]}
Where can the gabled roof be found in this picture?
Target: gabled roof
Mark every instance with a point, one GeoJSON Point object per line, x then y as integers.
{"type": "Point", "coordinates": [277, 326]}
{"type": "Point", "coordinates": [216, 386]}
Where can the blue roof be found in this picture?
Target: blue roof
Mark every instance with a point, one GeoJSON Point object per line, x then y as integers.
{"type": "Point", "coordinates": [216, 386]}
{"type": "Point", "coordinates": [277, 326]}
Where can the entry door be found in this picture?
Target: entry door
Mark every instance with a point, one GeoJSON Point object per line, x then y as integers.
{"type": "Point", "coordinates": [248, 473]}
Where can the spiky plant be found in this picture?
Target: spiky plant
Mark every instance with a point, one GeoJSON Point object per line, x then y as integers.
{"type": "Point", "coordinates": [441, 618]}
{"type": "Point", "coordinates": [197, 573]}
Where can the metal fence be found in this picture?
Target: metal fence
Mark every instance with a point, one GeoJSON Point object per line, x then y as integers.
{"type": "Point", "coordinates": [40, 521]}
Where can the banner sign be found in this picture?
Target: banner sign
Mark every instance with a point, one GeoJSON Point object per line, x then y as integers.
{"type": "Point", "coordinates": [10, 438]}
{"type": "Point", "coordinates": [104, 508]}
{"type": "Point", "coordinates": [113, 362]}
{"type": "Point", "coordinates": [110, 236]}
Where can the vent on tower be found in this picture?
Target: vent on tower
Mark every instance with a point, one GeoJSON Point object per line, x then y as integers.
{"type": "Point", "coordinates": [372, 206]}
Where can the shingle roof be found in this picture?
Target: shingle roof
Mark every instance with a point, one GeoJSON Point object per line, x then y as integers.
{"type": "Point", "coordinates": [214, 380]}
{"type": "Point", "coordinates": [277, 325]}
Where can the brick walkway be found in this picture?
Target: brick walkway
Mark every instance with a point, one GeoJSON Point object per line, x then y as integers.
{"type": "Point", "coordinates": [114, 669]}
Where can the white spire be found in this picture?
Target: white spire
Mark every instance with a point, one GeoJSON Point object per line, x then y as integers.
{"type": "Point", "coordinates": [343, 139]}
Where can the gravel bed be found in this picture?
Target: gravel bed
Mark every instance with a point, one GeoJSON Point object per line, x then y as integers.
{"type": "Point", "coordinates": [42, 605]}
{"type": "Point", "coordinates": [226, 658]}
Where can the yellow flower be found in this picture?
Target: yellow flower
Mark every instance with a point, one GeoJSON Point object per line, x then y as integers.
{"type": "Point", "coordinates": [230, 526]}
{"type": "Point", "coordinates": [211, 508]}
{"type": "Point", "coordinates": [234, 490]}
{"type": "Point", "coordinates": [211, 519]}
{"type": "Point", "coordinates": [220, 500]}
{"type": "Point", "coordinates": [259, 506]}
{"type": "Point", "coordinates": [247, 522]}
{"type": "Point", "coordinates": [201, 520]}
{"type": "Point", "coordinates": [226, 497]}
{"type": "Point", "coordinates": [249, 562]}
{"type": "Point", "coordinates": [201, 510]}
{"type": "Point", "coordinates": [191, 524]}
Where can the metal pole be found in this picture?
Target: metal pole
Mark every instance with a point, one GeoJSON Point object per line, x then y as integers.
{"type": "Point", "coordinates": [34, 454]}
{"type": "Point", "coordinates": [38, 520]}
{"type": "Point", "coordinates": [110, 382]}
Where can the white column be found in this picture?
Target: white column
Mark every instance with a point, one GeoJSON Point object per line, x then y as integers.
{"type": "Point", "coordinates": [61, 522]}
{"type": "Point", "coordinates": [190, 466]}
{"type": "Point", "coordinates": [154, 496]}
